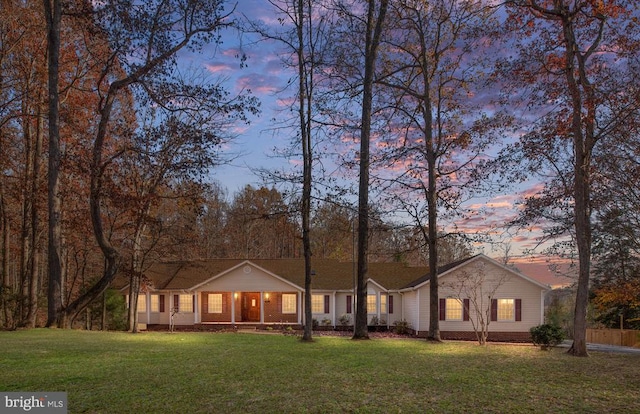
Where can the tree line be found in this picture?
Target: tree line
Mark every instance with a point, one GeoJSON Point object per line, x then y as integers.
{"type": "Point", "coordinates": [107, 145]}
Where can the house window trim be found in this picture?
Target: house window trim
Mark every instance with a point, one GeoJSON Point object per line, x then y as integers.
{"type": "Point", "coordinates": [374, 305]}
{"type": "Point", "coordinates": [319, 303]}
{"type": "Point", "coordinates": [449, 311]}
{"type": "Point", "coordinates": [442, 310]}
{"type": "Point", "coordinates": [384, 304]}
{"type": "Point", "coordinates": [293, 305]}
{"type": "Point", "coordinates": [178, 303]}
{"type": "Point", "coordinates": [218, 308]}
{"type": "Point", "coordinates": [154, 300]}
{"type": "Point", "coordinates": [516, 310]}
{"type": "Point", "coordinates": [142, 303]}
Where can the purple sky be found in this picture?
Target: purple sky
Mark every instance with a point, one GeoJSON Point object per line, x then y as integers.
{"type": "Point", "coordinates": [265, 75]}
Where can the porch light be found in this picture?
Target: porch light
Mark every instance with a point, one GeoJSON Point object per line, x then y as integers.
{"type": "Point", "coordinates": [266, 298]}
{"type": "Point", "coordinates": [235, 295]}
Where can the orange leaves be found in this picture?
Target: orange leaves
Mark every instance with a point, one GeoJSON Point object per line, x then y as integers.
{"type": "Point", "coordinates": [556, 62]}
{"type": "Point", "coordinates": [624, 293]}
{"type": "Point", "coordinates": [605, 9]}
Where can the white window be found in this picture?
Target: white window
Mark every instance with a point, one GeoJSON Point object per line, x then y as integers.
{"type": "Point", "coordinates": [317, 303]}
{"type": "Point", "coordinates": [142, 303]}
{"type": "Point", "coordinates": [506, 309]}
{"type": "Point", "coordinates": [214, 303]}
{"type": "Point", "coordinates": [289, 302]}
{"type": "Point", "coordinates": [155, 303]}
{"type": "Point", "coordinates": [453, 309]}
{"type": "Point", "coordinates": [371, 304]}
{"type": "Point", "coordinates": [185, 303]}
{"type": "Point", "coordinates": [383, 304]}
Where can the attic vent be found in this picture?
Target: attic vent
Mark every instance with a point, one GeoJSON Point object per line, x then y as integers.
{"type": "Point", "coordinates": [247, 269]}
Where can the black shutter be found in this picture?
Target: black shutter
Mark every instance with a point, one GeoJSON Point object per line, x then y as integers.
{"type": "Point", "coordinates": [442, 313]}
{"type": "Point", "coordinates": [349, 304]}
{"type": "Point", "coordinates": [326, 303]}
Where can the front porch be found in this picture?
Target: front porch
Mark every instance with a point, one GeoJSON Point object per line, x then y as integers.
{"type": "Point", "coordinates": [226, 327]}
{"type": "Point", "coordinates": [249, 308]}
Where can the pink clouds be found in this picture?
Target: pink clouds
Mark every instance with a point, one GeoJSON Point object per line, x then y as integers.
{"type": "Point", "coordinates": [218, 67]}
{"type": "Point", "coordinates": [259, 84]}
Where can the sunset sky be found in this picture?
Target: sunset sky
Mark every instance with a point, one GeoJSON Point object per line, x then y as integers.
{"type": "Point", "coordinates": [266, 76]}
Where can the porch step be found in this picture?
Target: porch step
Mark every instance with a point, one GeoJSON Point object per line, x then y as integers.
{"type": "Point", "coordinates": [245, 329]}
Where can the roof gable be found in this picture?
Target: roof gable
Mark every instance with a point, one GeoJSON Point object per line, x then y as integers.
{"type": "Point", "coordinates": [451, 267]}
{"type": "Point", "coordinates": [246, 266]}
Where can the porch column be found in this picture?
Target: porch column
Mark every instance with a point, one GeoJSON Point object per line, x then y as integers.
{"type": "Point", "coordinates": [542, 306]}
{"type": "Point", "coordinates": [333, 309]}
{"type": "Point", "coordinates": [233, 307]}
{"type": "Point", "coordinates": [419, 305]}
{"type": "Point", "coordinates": [196, 315]}
{"type": "Point", "coordinates": [148, 302]}
{"type": "Point", "coordinates": [300, 313]}
{"type": "Point", "coordinates": [261, 307]}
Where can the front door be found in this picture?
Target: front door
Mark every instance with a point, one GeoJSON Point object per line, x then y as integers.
{"type": "Point", "coordinates": [251, 307]}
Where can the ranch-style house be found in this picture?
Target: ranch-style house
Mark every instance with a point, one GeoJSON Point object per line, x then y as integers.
{"type": "Point", "coordinates": [225, 293]}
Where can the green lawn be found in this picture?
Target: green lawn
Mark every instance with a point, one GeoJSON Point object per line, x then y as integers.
{"type": "Point", "coordinates": [204, 372]}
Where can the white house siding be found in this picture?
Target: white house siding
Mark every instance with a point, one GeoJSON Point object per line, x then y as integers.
{"type": "Point", "coordinates": [373, 289]}
{"type": "Point", "coordinates": [152, 318]}
{"type": "Point", "coordinates": [390, 318]}
{"type": "Point", "coordinates": [512, 287]}
{"type": "Point", "coordinates": [341, 306]}
{"type": "Point", "coordinates": [397, 308]}
{"type": "Point", "coordinates": [409, 308]}
{"type": "Point", "coordinates": [423, 309]}
{"type": "Point", "coordinates": [159, 317]}
{"type": "Point", "coordinates": [184, 318]}
{"type": "Point", "coordinates": [320, 316]}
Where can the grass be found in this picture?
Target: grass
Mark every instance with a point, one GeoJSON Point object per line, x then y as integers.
{"type": "Point", "coordinates": [109, 372]}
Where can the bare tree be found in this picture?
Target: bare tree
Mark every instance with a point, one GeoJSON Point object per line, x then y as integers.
{"type": "Point", "coordinates": [53, 15]}
{"type": "Point", "coordinates": [475, 289]}
{"type": "Point", "coordinates": [162, 156]}
{"type": "Point", "coordinates": [376, 14]}
{"type": "Point", "coordinates": [303, 36]}
{"type": "Point", "coordinates": [429, 78]}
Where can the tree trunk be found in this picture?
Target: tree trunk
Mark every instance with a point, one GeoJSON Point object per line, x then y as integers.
{"type": "Point", "coordinates": [136, 271]}
{"type": "Point", "coordinates": [103, 323]}
{"type": "Point", "coordinates": [53, 13]}
{"type": "Point", "coordinates": [134, 291]}
{"type": "Point", "coordinates": [360, 330]}
{"type": "Point", "coordinates": [434, 320]}
{"type": "Point", "coordinates": [582, 128]}
{"type": "Point", "coordinates": [432, 239]}
{"type": "Point", "coordinates": [6, 282]}
{"type": "Point", "coordinates": [95, 207]}
{"type": "Point", "coordinates": [26, 249]}
{"type": "Point", "coordinates": [305, 86]}
{"type": "Point", "coordinates": [35, 227]}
